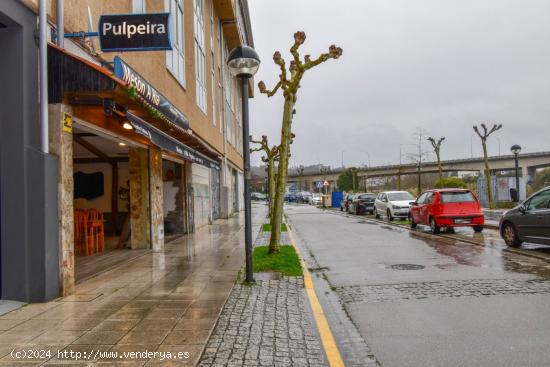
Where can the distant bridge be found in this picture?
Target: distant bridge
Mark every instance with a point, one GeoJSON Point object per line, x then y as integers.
{"type": "Point", "coordinates": [528, 163]}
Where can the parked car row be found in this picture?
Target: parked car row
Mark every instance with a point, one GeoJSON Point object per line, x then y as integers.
{"type": "Point", "coordinates": [304, 197]}
{"type": "Point", "coordinates": [450, 208]}
{"type": "Point", "coordinates": [258, 196]}
{"type": "Point", "coordinates": [440, 208]}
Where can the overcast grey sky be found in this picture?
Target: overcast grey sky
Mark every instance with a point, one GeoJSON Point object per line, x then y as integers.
{"type": "Point", "coordinates": [442, 65]}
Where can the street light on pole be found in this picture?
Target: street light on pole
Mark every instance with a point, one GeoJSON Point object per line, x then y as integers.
{"type": "Point", "coordinates": [516, 149]}
{"type": "Point", "coordinates": [243, 62]}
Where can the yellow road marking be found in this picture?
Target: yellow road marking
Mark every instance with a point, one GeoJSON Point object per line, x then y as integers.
{"type": "Point", "coordinates": [327, 339]}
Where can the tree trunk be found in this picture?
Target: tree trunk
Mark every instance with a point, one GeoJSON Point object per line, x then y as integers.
{"type": "Point", "coordinates": [488, 175]}
{"type": "Point", "coordinates": [284, 151]}
{"type": "Point", "coordinates": [271, 184]}
{"type": "Point", "coordinates": [439, 168]}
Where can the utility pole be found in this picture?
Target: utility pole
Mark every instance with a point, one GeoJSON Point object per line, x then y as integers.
{"type": "Point", "coordinates": [419, 161]}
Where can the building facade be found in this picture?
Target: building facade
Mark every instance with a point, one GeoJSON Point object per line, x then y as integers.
{"type": "Point", "coordinates": [148, 144]}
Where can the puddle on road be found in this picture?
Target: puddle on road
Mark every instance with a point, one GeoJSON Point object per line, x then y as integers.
{"type": "Point", "coordinates": [392, 228]}
{"type": "Point", "coordinates": [491, 257]}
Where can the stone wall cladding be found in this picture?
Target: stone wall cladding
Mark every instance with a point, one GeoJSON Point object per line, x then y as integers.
{"type": "Point", "coordinates": [442, 289]}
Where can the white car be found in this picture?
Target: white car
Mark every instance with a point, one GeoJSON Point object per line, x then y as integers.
{"type": "Point", "coordinates": [315, 199]}
{"type": "Point", "coordinates": [393, 204]}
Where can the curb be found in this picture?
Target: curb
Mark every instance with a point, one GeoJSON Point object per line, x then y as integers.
{"type": "Point", "coordinates": [332, 353]}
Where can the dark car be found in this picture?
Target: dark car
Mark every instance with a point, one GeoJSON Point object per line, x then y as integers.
{"type": "Point", "coordinates": [303, 197]}
{"type": "Point", "coordinates": [362, 203]}
{"type": "Point", "coordinates": [528, 222]}
{"type": "Point", "coordinates": [290, 197]}
{"type": "Point", "coordinates": [344, 204]}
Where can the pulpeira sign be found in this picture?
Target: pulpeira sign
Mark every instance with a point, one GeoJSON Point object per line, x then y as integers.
{"type": "Point", "coordinates": [134, 32]}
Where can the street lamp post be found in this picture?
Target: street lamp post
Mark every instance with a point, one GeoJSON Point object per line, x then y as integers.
{"type": "Point", "coordinates": [516, 149]}
{"type": "Point", "coordinates": [243, 62]}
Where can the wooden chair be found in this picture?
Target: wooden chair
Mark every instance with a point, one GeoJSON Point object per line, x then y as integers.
{"type": "Point", "coordinates": [81, 231]}
{"type": "Point", "coordinates": [96, 230]}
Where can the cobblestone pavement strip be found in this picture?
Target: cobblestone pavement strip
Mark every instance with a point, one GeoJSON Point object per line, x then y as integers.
{"type": "Point", "coordinates": [442, 289]}
{"type": "Point", "coordinates": [267, 324]}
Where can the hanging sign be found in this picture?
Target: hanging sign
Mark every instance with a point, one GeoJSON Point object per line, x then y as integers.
{"type": "Point", "coordinates": [149, 93]}
{"type": "Point", "coordinates": [134, 32]}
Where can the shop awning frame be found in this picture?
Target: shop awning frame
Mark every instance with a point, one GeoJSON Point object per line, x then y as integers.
{"type": "Point", "coordinates": [168, 143]}
{"type": "Point", "coordinates": [73, 78]}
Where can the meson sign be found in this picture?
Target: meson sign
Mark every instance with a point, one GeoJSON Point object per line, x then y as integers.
{"type": "Point", "coordinates": [134, 32]}
{"type": "Point", "coordinates": [149, 93]}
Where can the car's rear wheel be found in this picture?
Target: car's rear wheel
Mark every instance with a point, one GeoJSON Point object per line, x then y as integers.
{"type": "Point", "coordinates": [376, 214]}
{"type": "Point", "coordinates": [478, 229]}
{"type": "Point", "coordinates": [434, 227]}
{"type": "Point", "coordinates": [390, 217]}
{"type": "Point", "coordinates": [412, 223]}
{"type": "Point", "coordinates": [510, 235]}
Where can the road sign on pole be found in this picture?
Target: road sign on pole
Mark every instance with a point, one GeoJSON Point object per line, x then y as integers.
{"type": "Point", "coordinates": [325, 183]}
{"type": "Point", "coordinates": [319, 184]}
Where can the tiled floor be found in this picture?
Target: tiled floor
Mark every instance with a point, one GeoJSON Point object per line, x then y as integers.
{"type": "Point", "coordinates": [159, 302]}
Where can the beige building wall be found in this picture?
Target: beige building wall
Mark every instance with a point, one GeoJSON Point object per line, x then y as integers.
{"type": "Point", "coordinates": [152, 66]}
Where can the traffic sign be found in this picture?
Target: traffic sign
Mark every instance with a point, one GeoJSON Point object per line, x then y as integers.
{"type": "Point", "coordinates": [319, 184]}
{"type": "Point", "coordinates": [326, 183]}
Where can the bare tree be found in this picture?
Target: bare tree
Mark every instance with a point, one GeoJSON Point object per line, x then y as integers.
{"type": "Point", "coordinates": [437, 150]}
{"type": "Point", "coordinates": [290, 86]}
{"type": "Point", "coordinates": [271, 156]}
{"type": "Point", "coordinates": [483, 136]}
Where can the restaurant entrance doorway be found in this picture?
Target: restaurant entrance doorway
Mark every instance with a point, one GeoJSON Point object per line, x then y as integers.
{"type": "Point", "coordinates": [102, 189]}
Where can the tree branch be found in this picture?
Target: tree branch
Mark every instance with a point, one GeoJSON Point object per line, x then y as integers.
{"type": "Point", "coordinates": [264, 90]}
{"type": "Point", "coordinates": [299, 39]}
{"type": "Point", "coordinates": [333, 53]}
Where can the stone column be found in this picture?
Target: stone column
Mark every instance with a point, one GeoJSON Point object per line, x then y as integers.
{"type": "Point", "coordinates": [156, 201]}
{"type": "Point", "coordinates": [139, 198]}
{"type": "Point", "coordinates": [61, 145]}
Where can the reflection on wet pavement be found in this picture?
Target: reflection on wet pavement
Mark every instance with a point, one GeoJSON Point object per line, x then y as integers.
{"type": "Point", "coordinates": [491, 257]}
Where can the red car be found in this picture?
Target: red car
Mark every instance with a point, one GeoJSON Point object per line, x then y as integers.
{"type": "Point", "coordinates": [444, 208]}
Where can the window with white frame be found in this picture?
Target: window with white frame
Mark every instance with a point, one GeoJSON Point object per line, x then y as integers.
{"type": "Point", "coordinates": [175, 58]}
{"type": "Point", "coordinates": [213, 63]}
{"type": "Point", "coordinates": [200, 55]}
{"type": "Point", "coordinates": [138, 6]}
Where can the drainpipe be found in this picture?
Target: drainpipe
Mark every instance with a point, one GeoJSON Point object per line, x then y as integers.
{"type": "Point", "coordinates": [60, 24]}
{"type": "Point", "coordinates": [43, 65]}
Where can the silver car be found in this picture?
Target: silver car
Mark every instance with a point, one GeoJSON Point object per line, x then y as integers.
{"type": "Point", "coordinates": [393, 204]}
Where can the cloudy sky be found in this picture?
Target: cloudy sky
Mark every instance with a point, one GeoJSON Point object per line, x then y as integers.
{"type": "Point", "coordinates": [441, 65]}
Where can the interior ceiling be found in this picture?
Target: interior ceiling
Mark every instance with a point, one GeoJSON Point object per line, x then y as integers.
{"type": "Point", "coordinates": [107, 146]}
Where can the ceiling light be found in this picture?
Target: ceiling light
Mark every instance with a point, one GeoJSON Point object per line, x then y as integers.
{"type": "Point", "coordinates": [122, 144]}
{"type": "Point", "coordinates": [127, 126]}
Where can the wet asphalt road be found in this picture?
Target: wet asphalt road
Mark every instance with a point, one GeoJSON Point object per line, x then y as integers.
{"type": "Point", "coordinates": [423, 300]}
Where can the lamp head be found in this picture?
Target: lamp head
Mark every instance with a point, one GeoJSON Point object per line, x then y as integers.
{"type": "Point", "coordinates": [243, 61]}
{"type": "Point", "coordinates": [516, 149]}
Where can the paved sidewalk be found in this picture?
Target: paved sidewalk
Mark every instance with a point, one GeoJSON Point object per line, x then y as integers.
{"type": "Point", "coordinates": [267, 324]}
{"type": "Point", "coordinates": [160, 302]}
